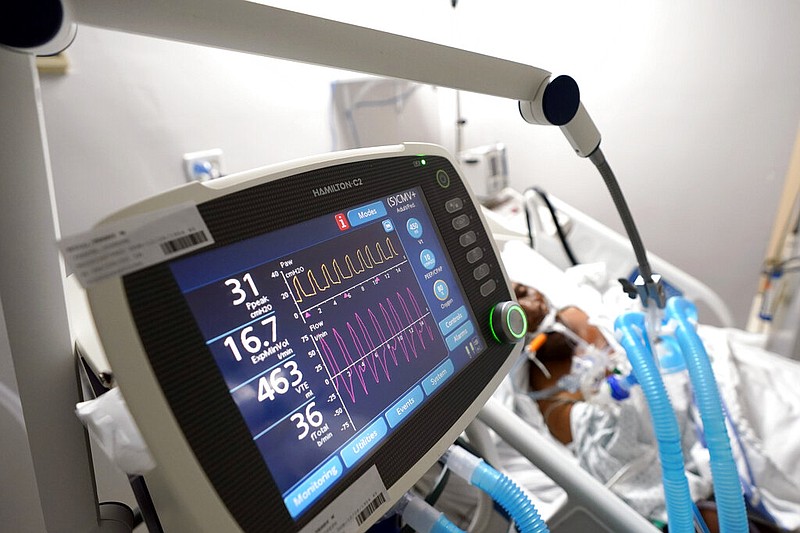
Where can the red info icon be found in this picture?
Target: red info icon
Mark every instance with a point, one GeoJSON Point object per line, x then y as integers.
{"type": "Point", "coordinates": [341, 221]}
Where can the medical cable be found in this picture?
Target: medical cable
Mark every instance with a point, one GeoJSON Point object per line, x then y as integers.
{"type": "Point", "coordinates": [500, 487]}
{"type": "Point", "coordinates": [727, 489]}
{"type": "Point", "coordinates": [748, 481]}
{"type": "Point", "coordinates": [654, 289]}
{"type": "Point", "coordinates": [562, 237]}
{"type": "Point", "coordinates": [633, 337]}
{"type": "Point", "coordinates": [699, 520]}
{"type": "Point", "coordinates": [528, 221]}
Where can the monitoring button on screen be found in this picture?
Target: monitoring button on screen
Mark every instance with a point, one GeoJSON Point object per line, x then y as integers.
{"type": "Point", "coordinates": [312, 488]}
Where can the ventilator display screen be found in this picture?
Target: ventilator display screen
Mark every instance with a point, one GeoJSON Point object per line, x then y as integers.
{"type": "Point", "coordinates": [331, 332]}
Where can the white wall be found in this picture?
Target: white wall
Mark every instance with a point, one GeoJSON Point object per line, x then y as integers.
{"type": "Point", "coordinates": [698, 104]}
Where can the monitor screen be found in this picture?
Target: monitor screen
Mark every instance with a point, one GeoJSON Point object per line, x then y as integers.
{"type": "Point", "coordinates": [331, 332]}
{"type": "Point", "coordinates": [319, 349]}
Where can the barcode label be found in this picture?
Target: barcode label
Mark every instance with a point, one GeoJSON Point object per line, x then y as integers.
{"type": "Point", "coordinates": [354, 508]}
{"type": "Point", "coordinates": [176, 245]}
{"type": "Point", "coordinates": [118, 248]}
{"type": "Point", "coordinates": [370, 508]}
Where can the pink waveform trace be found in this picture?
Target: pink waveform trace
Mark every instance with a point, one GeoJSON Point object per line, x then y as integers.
{"type": "Point", "coordinates": [371, 358]}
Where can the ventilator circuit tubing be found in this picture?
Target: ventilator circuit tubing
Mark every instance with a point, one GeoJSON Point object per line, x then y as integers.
{"type": "Point", "coordinates": [423, 517]}
{"type": "Point", "coordinates": [727, 490]}
{"type": "Point", "coordinates": [500, 487]}
{"type": "Point", "coordinates": [676, 487]}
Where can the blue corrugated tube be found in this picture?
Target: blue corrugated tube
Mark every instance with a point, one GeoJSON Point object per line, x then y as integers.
{"type": "Point", "coordinates": [676, 488]}
{"type": "Point", "coordinates": [500, 487]}
{"type": "Point", "coordinates": [727, 490]}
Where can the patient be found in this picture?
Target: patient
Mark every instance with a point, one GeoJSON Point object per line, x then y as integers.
{"type": "Point", "coordinates": [556, 356]}
{"type": "Point", "coordinates": [613, 441]}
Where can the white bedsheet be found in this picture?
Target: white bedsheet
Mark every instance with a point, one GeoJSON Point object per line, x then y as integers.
{"type": "Point", "coordinates": [761, 390]}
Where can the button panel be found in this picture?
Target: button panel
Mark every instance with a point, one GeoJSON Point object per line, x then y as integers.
{"type": "Point", "coordinates": [474, 255]}
{"type": "Point", "coordinates": [453, 205]}
{"type": "Point", "coordinates": [481, 271]}
{"type": "Point", "coordinates": [467, 238]}
{"type": "Point", "coordinates": [460, 222]}
{"type": "Point", "coordinates": [488, 287]}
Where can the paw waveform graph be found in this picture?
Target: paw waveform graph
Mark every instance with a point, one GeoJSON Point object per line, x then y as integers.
{"type": "Point", "coordinates": [372, 345]}
{"type": "Point", "coordinates": [366, 260]}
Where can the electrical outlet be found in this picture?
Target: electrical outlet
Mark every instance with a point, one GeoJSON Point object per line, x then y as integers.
{"type": "Point", "coordinates": [203, 166]}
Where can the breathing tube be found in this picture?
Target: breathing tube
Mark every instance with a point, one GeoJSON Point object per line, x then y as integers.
{"type": "Point", "coordinates": [727, 490]}
{"type": "Point", "coordinates": [423, 517]}
{"type": "Point", "coordinates": [500, 487]}
{"type": "Point", "coordinates": [633, 337]}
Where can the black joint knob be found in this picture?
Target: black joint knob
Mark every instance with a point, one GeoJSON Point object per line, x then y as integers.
{"type": "Point", "coordinates": [508, 323]}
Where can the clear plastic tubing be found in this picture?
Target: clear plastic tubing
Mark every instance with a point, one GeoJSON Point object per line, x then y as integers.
{"type": "Point", "coordinates": [500, 487]}
{"type": "Point", "coordinates": [423, 517]}
{"type": "Point", "coordinates": [727, 490]}
{"type": "Point", "coordinates": [633, 337]}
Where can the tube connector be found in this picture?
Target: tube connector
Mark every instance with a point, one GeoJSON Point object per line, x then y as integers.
{"type": "Point", "coordinates": [461, 462]}
{"type": "Point", "coordinates": [424, 518]}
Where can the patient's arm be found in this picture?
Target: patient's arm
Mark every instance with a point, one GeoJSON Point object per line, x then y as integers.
{"type": "Point", "coordinates": [556, 355]}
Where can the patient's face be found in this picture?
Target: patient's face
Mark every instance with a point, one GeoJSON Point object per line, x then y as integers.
{"type": "Point", "coordinates": [533, 303]}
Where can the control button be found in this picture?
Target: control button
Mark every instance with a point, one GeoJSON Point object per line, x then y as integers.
{"type": "Point", "coordinates": [474, 255]}
{"type": "Point", "coordinates": [488, 287]}
{"type": "Point", "coordinates": [362, 443]}
{"type": "Point", "coordinates": [460, 335]}
{"type": "Point", "coordinates": [414, 228]}
{"type": "Point", "coordinates": [460, 222]}
{"type": "Point", "coordinates": [453, 205]}
{"type": "Point", "coordinates": [314, 486]}
{"type": "Point", "coordinates": [404, 406]}
{"type": "Point", "coordinates": [507, 322]}
{"type": "Point", "coordinates": [442, 179]}
{"type": "Point", "coordinates": [467, 239]}
{"type": "Point", "coordinates": [366, 213]}
{"type": "Point", "coordinates": [452, 321]}
{"type": "Point", "coordinates": [440, 290]}
{"type": "Point", "coordinates": [481, 271]}
{"type": "Point", "coordinates": [435, 379]}
{"type": "Point", "coordinates": [427, 259]}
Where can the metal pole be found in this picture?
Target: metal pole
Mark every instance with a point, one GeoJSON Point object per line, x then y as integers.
{"type": "Point", "coordinates": [31, 285]}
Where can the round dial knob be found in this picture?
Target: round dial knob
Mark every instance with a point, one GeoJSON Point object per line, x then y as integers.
{"type": "Point", "coordinates": [507, 322]}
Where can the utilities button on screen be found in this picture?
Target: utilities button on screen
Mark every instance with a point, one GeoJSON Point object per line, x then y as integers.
{"type": "Point", "coordinates": [488, 287]}
{"type": "Point", "coordinates": [481, 271]}
{"type": "Point", "coordinates": [474, 255]}
{"type": "Point", "coordinates": [460, 222]}
{"type": "Point", "coordinates": [453, 205]}
{"type": "Point", "coordinates": [467, 239]}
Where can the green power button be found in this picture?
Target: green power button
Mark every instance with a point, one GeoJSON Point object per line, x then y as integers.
{"type": "Point", "coordinates": [508, 323]}
{"type": "Point", "coordinates": [443, 179]}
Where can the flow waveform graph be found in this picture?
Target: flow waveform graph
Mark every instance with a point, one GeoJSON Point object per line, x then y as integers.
{"type": "Point", "coordinates": [364, 260]}
{"type": "Point", "coordinates": [372, 345]}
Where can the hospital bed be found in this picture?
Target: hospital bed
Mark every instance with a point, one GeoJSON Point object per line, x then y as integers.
{"type": "Point", "coordinates": [756, 385]}
{"type": "Point", "coordinates": [592, 243]}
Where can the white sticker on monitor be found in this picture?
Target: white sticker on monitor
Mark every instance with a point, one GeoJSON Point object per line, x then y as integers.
{"type": "Point", "coordinates": [353, 507]}
{"type": "Point", "coordinates": [137, 242]}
